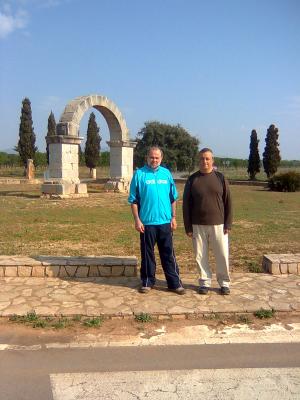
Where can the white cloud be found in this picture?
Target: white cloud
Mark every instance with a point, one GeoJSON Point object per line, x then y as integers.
{"type": "Point", "coordinates": [10, 23]}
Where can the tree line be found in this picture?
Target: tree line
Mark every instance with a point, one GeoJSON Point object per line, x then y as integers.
{"type": "Point", "coordinates": [180, 148]}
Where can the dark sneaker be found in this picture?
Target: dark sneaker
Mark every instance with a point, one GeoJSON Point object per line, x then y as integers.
{"type": "Point", "coordinates": [179, 290]}
{"type": "Point", "coordinates": [145, 289]}
{"type": "Point", "coordinates": [203, 290]}
{"type": "Point", "coordinates": [225, 290]}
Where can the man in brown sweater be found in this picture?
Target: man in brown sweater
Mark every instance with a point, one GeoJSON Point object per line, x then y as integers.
{"type": "Point", "coordinates": [207, 216]}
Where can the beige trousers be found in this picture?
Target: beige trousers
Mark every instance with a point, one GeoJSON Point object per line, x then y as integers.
{"type": "Point", "coordinates": [205, 236]}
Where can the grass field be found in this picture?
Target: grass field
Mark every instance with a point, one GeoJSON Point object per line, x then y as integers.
{"type": "Point", "coordinates": [264, 222]}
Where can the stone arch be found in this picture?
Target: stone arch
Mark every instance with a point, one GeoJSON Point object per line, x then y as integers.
{"type": "Point", "coordinates": [62, 176]}
{"type": "Point", "coordinates": [70, 119]}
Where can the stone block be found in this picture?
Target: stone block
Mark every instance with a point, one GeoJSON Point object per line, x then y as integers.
{"type": "Point", "coordinates": [130, 271]}
{"type": "Point", "coordinates": [293, 268]}
{"type": "Point", "coordinates": [93, 271]}
{"type": "Point", "coordinates": [298, 268]}
{"type": "Point", "coordinates": [2, 271]}
{"type": "Point", "coordinates": [81, 188]}
{"type": "Point", "coordinates": [283, 268]}
{"type": "Point", "coordinates": [58, 188]}
{"type": "Point", "coordinates": [55, 173]}
{"type": "Point", "coordinates": [275, 270]}
{"type": "Point", "coordinates": [52, 188]}
{"type": "Point", "coordinates": [109, 260]}
{"type": "Point", "coordinates": [82, 272]}
{"type": "Point", "coordinates": [117, 270]}
{"type": "Point", "coordinates": [11, 271]}
{"type": "Point", "coordinates": [52, 271]}
{"type": "Point", "coordinates": [178, 316]}
{"type": "Point", "coordinates": [63, 272]}
{"type": "Point", "coordinates": [24, 271]}
{"type": "Point", "coordinates": [129, 261]}
{"type": "Point", "coordinates": [38, 272]}
{"type": "Point", "coordinates": [105, 271]}
{"type": "Point", "coordinates": [71, 270]}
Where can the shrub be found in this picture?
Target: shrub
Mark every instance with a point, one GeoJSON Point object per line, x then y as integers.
{"type": "Point", "coordinates": [262, 313]}
{"type": "Point", "coordinates": [143, 317]}
{"type": "Point", "coordinates": [286, 182]}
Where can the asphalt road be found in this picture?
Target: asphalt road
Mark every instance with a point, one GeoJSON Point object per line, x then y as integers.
{"type": "Point", "coordinates": [81, 373]}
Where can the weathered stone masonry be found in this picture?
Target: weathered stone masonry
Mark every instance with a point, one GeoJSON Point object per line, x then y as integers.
{"type": "Point", "coordinates": [62, 178]}
{"type": "Point", "coordinates": [67, 267]}
{"type": "Point", "coordinates": [277, 264]}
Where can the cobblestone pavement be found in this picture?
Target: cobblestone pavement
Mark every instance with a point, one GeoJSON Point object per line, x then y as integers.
{"type": "Point", "coordinates": [118, 297]}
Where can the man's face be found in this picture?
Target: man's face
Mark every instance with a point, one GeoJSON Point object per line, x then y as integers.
{"type": "Point", "coordinates": [206, 162]}
{"type": "Point", "coordinates": [154, 159]}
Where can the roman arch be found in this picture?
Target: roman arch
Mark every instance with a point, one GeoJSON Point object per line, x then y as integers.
{"type": "Point", "coordinates": [62, 177]}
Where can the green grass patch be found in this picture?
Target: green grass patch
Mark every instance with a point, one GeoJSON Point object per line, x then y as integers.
{"type": "Point", "coordinates": [95, 322]}
{"type": "Point", "coordinates": [254, 267]}
{"type": "Point", "coordinates": [36, 321]}
{"type": "Point", "coordinates": [264, 313]}
{"type": "Point", "coordinates": [143, 317]}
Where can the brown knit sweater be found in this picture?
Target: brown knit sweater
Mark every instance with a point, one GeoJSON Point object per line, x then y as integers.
{"type": "Point", "coordinates": [206, 201]}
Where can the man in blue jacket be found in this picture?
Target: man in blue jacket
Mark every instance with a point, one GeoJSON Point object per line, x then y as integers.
{"type": "Point", "coordinates": [153, 198]}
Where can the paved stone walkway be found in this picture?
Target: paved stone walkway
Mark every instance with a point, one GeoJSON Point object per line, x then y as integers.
{"type": "Point", "coordinates": [118, 297]}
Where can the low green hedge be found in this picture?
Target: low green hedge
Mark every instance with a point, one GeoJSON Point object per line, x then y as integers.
{"type": "Point", "coordinates": [285, 182]}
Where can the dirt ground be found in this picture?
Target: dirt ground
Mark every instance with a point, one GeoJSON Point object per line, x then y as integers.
{"type": "Point", "coordinates": [114, 330]}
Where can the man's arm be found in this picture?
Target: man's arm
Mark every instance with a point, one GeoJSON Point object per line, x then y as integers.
{"type": "Point", "coordinates": [227, 209]}
{"type": "Point", "coordinates": [173, 220]}
{"type": "Point", "coordinates": [137, 222]}
{"type": "Point", "coordinates": [186, 209]}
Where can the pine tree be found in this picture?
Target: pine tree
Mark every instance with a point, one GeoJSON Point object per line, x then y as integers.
{"type": "Point", "coordinates": [26, 145]}
{"type": "Point", "coordinates": [92, 146]}
{"type": "Point", "coordinates": [254, 159]}
{"type": "Point", "coordinates": [271, 155]}
{"type": "Point", "coordinates": [51, 131]}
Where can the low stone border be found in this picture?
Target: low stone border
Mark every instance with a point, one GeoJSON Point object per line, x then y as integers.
{"type": "Point", "coordinates": [18, 181]}
{"type": "Point", "coordinates": [68, 267]}
{"type": "Point", "coordinates": [279, 264]}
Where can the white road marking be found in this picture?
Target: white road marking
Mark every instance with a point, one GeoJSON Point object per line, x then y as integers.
{"type": "Point", "coordinates": [209, 384]}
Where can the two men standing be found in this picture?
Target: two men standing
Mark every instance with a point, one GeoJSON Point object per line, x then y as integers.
{"type": "Point", "coordinates": [207, 219]}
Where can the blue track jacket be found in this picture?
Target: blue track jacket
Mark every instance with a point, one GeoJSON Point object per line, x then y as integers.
{"type": "Point", "coordinates": [153, 192]}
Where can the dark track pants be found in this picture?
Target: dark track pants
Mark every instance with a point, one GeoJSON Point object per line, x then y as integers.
{"type": "Point", "coordinates": [162, 235]}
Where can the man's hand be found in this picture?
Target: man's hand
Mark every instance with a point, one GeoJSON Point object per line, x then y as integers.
{"type": "Point", "coordinates": [226, 231]}
{"type": "Point", "coordinates": [139, 226]}
{"type": "Point", "coordinates": [173, 224]}
{"type": "Point", "coordinates": [190, 234]}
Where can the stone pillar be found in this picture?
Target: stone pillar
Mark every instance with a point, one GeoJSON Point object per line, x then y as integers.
{"type": "Point", "coordinates": [121, 165]}
{"type": "Point", "coordinates": [62, 177]}
{"type": "Point", "coordinates": [93, 173]}
{"type": "Point", "coordinates": [30, 169]}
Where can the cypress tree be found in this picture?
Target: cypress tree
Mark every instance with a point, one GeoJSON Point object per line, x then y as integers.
{"type": "Point", "coordinates": [51, 131]}
{"type": "Point", "coordinates": [26, 145]}
{"type": "Point", "coordinates": [271, 155]}
{"type": "Point", "coordinates": [92, 145]}
{"type": "Point", "coordinates": [254, 159]}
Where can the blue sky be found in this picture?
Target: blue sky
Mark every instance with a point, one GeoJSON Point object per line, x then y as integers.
{"type": "Point", "coordinates": [218, 68]}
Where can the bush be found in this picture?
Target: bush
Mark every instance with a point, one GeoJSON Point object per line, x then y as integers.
{"type": "Point", "coordinates": [286, 182]}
